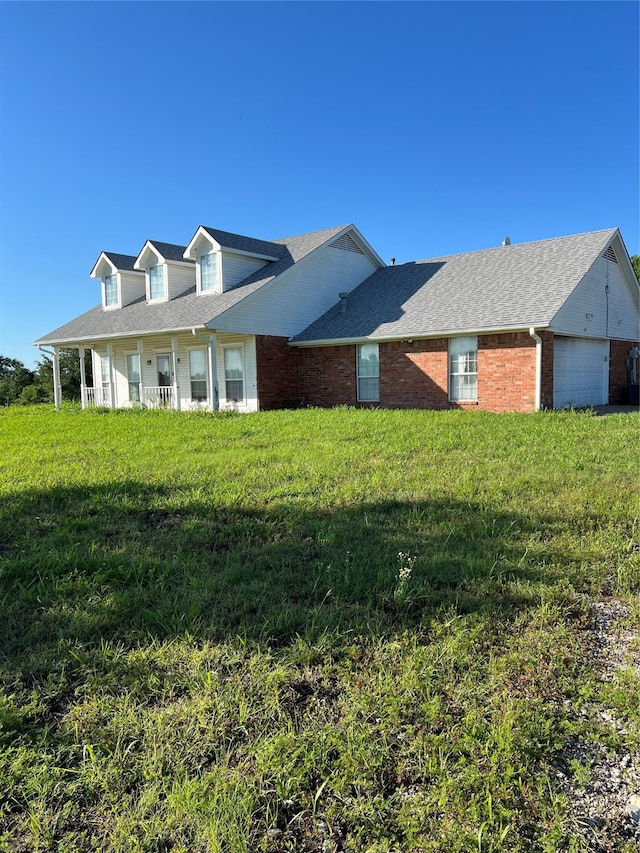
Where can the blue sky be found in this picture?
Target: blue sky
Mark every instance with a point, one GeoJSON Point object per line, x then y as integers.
{"type": "Point", "coordinates": [434, 127]}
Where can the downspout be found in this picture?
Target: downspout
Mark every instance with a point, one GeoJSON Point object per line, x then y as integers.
{"type": "Point", "coordinates": [212, 369]}
{"type": "Point", "coordinates": [57, 386]}
{"type": "Point", "coordinates": [538, 341]}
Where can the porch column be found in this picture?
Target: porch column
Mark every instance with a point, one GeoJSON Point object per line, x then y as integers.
{"type": "Point", "coordinates": [83, 379]}
{"type": "Point", "coordinates": [174, 359]}
{"type": "Point", "coordinates": [212, 369]}
{"type": "Point", "coordinates": [112, 384]}
{"type": "Point", "coordinates": [57, 385]}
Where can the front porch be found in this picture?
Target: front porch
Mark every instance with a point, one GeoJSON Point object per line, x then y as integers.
{"type": "Point", "coordinates": [149, 397]}
{"type": "Point", "coordinates": [189, 371]}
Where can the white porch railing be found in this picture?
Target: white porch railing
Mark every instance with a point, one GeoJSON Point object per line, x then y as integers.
{"type": "Point", "coordinates": [160, 397]}
{"type": "Point", "coordinates": [100, 396]}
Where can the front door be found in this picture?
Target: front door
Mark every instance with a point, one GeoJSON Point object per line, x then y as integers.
{"type": "Point", "coordinates": [163, 362]}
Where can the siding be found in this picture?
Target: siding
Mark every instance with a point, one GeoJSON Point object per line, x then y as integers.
{"type": "Point", "coordinates": [589, 298]}
{"type": "Point", "coordinates": [181, 278]}
{"type": "Point", "coordinates": [305, 292]}
{"type": "Point", "coordinates": [235, 268]}
{"type": "Point", "coordinates": [248, 345]}
{"type": "Point", "coordinates": [132, 287]}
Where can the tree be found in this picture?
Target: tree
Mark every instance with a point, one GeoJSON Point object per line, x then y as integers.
{"type": "Point", "coordinates": [70, 379]}
{"type": "Point", "coordinates": [635, 260]}
{"type": "Point", "coordinates": [14, 377]}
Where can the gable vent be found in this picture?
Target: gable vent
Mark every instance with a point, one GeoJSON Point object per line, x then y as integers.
{"type": "Point", "coordinates": [347, 244]}
{"type": "Point", "coordinates": [610, 255]}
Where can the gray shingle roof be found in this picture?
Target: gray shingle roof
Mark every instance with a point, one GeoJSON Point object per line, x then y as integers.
{"type": "Point", "coordinates": [515, 286]}
{"type": "Point", "coordinates": [245, 244]}
{"type": "Point", "coordinates": [170, 251]}
{"type": "Point", "coordinates": [188, 310]}
{"type": "Point", "coordinates": [121, 262]}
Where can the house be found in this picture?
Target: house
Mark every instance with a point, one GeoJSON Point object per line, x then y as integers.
{"type": "Point", "coordinates": [207, 325]}
{"type": "Point", "coordinates": [233, 322]}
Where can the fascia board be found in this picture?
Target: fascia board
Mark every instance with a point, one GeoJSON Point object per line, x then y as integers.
{"type": "Point", "coordinates": [628, 271]}
{"type": "Point", "coordinates": [228, 251]}
{"type": "Point", "coordinates": [201, 232]}
{"type": "Point", "coordinates": [364, 245]}
{"type": "Point", "coordinates": [148, 248]}
{"type": "Point", "coordinates": [62, 342]}
{"type": "Point", "coordinates": [444, 333]}
{"type": "Point", "coordinates": [102, 260]}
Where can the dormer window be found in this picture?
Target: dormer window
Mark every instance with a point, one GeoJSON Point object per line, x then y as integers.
{"type": "Point", "coordinates": [157, 283]}
{"type": "Point", "coordinates": [208, 267]}
{"type": "Point", "coordinates": [111, 291]}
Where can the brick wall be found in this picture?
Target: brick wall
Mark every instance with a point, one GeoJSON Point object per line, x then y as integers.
{"type": "Point", "coordinates": [414, 374]}
{"type": "Point", "coordinates": [507, 372]}
{"type": "Point", "coordinates": [327, 376]}
{"type": "Point", "coordinates": [618, 370]}
{"type": "Point", "coordinates": [277, 369]}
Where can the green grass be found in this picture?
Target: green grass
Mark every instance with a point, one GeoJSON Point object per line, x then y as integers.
{"type": "Point", "coordinates": [270, 632]}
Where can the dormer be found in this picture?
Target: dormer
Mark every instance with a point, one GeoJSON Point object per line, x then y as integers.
{"type": "Point", "coordinates": [223, 259]}
{"type": "Point", "coordinates": [167, 274]}
{"type": "Point", "coordinates": [121, 283]}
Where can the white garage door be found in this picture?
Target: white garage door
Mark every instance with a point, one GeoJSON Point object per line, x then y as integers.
{"type": "Point", "coordinates": [580, 372]}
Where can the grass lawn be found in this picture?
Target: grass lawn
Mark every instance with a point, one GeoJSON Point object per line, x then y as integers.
{"type": "Point", "coordinates": [308, 631]}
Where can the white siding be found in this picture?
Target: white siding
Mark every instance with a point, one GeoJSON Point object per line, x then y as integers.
{"type": "Point", "coordinates": [132, 286]}
{"type": "Point", "coordinates": [181, 277]}
{"type": "Point", "coordinates": [235, 268]}
{"type": "Point", "coordinates": [301, 295]}
{"type": "Point", "coordinates": [248, 345]}
{"type": "Point", "coordinates": [585, 311]}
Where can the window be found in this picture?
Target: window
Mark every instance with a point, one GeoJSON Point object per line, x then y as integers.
{"type": "Point", "coordinates": [133, 375]}
{"type": "Point", "coordinates": [233, 374]}
{"type": "Point", "coordinates": [368, 373]}
{"type": "Point", "coordinates": [105, 370]}
{"type": "Point", "coordinates": [111, 290]}
{"type": "Point", "coordinates": [463, 369]}
{"type": "Point", "coordinates": [208, 273]}
{"type": "Point", "coordinates": [156, 282]}
{"type": "Point", "coordinates": [198, 375]}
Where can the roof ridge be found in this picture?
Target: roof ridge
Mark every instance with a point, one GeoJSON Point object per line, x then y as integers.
{"type": "Point", "coordinates": [515, 245]}
{"type": "Point", "coordinates": [316, 231]}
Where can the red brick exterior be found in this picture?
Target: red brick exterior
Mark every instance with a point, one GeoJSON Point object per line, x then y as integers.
{"type": "Point", "coordinates": [619, 370]}
{"type": "Point", "coordinates": [414, 374]}
{"type": "Point", "coordinates": [277, 373]}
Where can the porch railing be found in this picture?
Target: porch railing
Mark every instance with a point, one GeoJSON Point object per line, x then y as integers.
{"type": "Point", "coordinates": [100, 396]}
{"type": "Point", "coordinates": [161, 397]}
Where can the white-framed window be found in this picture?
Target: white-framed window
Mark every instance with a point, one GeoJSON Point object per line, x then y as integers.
{"type": "Point", "coordinates": [157, 282]}
{"type": "Point", "coordinates": [463, 369]}
{"type": "Point", "coordinates": [368, 370]}
{"type": "Point", "coordinates": [208, 263]}
{"type": "Point", "coordinates": [234, 374]}
{"type": "Point", "coordinates": [133, 375]}
{"type": "Point", "coordinates": [105, 371]}
{"type": "Point", "coordinates": [198, 375]}
{"type": "Point", "coordinates": [111, 290]}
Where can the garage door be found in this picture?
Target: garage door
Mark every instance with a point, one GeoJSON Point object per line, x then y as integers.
{"type": "Point", "coordinates": [580, 372]}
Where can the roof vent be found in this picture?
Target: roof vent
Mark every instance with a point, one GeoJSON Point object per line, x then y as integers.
{"type": "Point", "coordinates": [506, 241]}
{"type": "Point", "coordinates": [610, 255]}
{"type": "Point", "coordinates": [347, 244]}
